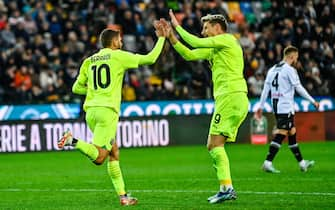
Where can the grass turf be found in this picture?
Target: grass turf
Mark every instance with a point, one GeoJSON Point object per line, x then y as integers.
{"type": "Point", "coordinates": [168, 178]}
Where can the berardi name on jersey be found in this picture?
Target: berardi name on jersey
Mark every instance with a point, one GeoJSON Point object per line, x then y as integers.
{"type": "Point", "coordinates": [100, 57]}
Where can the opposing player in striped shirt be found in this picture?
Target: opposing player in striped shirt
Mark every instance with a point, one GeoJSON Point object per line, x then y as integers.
{"type": "Point", "coordinates": [282, 81]}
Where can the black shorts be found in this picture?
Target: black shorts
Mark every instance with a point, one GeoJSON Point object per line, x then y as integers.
{"type": "Point", "coordinates": [285, 121]}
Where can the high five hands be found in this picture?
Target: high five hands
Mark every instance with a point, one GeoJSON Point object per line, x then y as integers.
{"type": "Point", "coordinates": [164, 28]}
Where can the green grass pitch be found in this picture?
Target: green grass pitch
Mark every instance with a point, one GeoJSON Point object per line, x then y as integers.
{"type": "Point", "coordinates": [168, 178]}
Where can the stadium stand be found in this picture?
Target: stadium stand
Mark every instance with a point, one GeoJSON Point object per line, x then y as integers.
{"type": "Point", "coordinates": [42, 44]}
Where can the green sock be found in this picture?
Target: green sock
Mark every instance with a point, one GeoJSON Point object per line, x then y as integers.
{"type": "Point", "coordinates": [114, 171]}
{"type": "Point", "coordinates": [221, 164]}
{"type": "Point", "coordinates": [88, 149]}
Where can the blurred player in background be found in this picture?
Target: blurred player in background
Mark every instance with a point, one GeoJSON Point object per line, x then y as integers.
{"type": "Point", "coordinates": [100, 79]}
{"type": "Point", "coordinates": [225, 56]}
{"type": "Point", "coordinates": [282, 81]}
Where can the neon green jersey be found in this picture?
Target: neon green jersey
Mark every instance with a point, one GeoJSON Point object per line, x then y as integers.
{"type": "Point", "coordinates": [225, 56]}
{"type": "Point", "coordinates": [101, 75]}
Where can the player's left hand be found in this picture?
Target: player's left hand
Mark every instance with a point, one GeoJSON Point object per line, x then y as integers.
{"type": "Point", "coordinates": [166, 27]}
{"type": "Point", "coordinates": [159, 28]}
{"type": "Point", "coordinates": [316, 105]}
{"type": "Point", "coordinates": [174, 20]}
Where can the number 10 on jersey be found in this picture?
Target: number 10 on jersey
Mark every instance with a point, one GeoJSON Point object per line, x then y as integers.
{"type": "Point", "coordinates": [98, 73]}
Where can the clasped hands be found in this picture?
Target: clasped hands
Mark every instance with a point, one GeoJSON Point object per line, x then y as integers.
{"type": "Point", "coordinates": [164, 28]}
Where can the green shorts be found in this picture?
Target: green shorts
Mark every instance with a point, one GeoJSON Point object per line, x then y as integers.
{"type": "Point", "coordinates": [229, 112]}
{"type": "Point", "coordinates": [103, 123]}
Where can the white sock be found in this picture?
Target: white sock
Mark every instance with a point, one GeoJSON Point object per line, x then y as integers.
{"type": "Point", "coordinates": [267, 163]}
{"type": "Point", "coordinates": [302, 163]}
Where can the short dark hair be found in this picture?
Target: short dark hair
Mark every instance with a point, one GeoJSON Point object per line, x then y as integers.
{"type": "Point", "coordinates": [217, 18]}
{"type": "Point", "coordinates": [290, 49]}
{"type": "Point", "coordinates": [107, 35]}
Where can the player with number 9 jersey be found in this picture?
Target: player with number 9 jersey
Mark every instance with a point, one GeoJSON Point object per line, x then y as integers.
{"type": "Point", "coordinates": [225, 56]}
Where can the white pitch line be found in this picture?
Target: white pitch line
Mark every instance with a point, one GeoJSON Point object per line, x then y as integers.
{"type": "Point", "coordinates": [246, 179]}
{"type": "Point", "coordinates": [163, 191]}
{"type": "Point", "coordinates": [206, 180]}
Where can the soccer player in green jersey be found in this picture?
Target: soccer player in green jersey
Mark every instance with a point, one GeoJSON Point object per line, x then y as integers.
{"type": "Point", "coordinates": [100, 79]}
{"type": "Point", "coordinates": [225, 56]}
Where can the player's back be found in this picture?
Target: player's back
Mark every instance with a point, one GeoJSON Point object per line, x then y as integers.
{"type": "Point", "coordinates": [105, 71]}
{"type": "Point", "coordinates": [281, 79]}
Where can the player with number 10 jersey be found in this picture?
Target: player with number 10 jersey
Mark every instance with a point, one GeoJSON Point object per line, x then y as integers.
{"type": "Point", "coordinates": [104, 72]}
{"type": "Point", "coordinates": [100, 79]}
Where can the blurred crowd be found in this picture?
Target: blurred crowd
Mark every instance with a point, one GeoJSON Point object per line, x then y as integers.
{"type": "Point", "coordinates": [42, 44]}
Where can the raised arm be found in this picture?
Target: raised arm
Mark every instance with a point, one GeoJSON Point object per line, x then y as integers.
{"type": "Point", "coordinates": [190, 55]}
{"type": "Point", "coordinates": [185, 52]}
{"type": "Point", "coordinates": [194, 41]}
{"type": "Point", "coordinates": [151, 57]}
